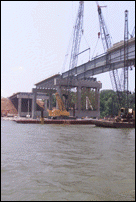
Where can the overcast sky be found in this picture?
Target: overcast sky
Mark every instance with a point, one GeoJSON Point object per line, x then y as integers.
{"type": "Point", "coordinates": [35, 36]}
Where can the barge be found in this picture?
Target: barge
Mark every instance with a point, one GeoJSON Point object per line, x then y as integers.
{"type": "Point", "coordinates": [55, 121]}
{"type": "Point", "coordinates": [96, 122]}
{"type": "Point", "coordinates": [113, 124]}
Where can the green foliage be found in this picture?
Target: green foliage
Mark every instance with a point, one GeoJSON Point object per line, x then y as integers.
{"type": "Point", "coordinates": [53, 100]}
{"type": "Point", "coordinates": [109, 105]}
{"type": "Point", "coordinates": [90, 94]}
{"type": "Point", "coordinates": [73, 98]}
{"type": "Point", "coordinates": [108, 101]}
{"type": "Point", "coordinates": [132, 101]}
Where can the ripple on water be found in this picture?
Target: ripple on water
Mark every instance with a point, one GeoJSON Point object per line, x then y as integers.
{"type": "Point", "coordinates": [57, 162]}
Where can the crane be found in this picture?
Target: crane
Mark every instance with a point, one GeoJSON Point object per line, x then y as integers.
{"type": "Point", "coordinates": [77, 34]}
{"type": "Point", "coordinates": [125, 112]}
{"type": "Point", "coordinates": [61, 111]}
{"type": "Point", "coordinates": [76, 39]}
{"type": "Point", "coordinates": [125, 82]}
{"type": "Point", "coordinates": [78, 31]}
{"type": "Point", "coordinates": [106, 41]}
{"type": "Point", "coordinates": [133, 33]}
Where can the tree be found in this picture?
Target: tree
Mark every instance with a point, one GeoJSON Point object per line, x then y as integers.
{"type": "Point", "coordinates": [109, 105]}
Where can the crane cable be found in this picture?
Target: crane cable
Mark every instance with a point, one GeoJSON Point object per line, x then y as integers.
{"type": "Point", "coordinates": [70, 42]}
{"type": "Point", "coordinates": [95, 47]}
{"type": "Point", "coordinates": [87, 45]}
{"type": "Point", "coordinates": [67, 53]}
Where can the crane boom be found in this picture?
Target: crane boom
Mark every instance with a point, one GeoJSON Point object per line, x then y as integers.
{"type": "Point", "coordinates": [60, 103]}
{"type": "Point", "coordinates": [126, 59]}
{"type": "Point", "coordinates": [106, 41]}
{"type": "Point", "coordinates": [61, 111]}
{"type": "Point", "coordinates": [78, 30]}
{"type": "Point", "coordinates": [133, 33]}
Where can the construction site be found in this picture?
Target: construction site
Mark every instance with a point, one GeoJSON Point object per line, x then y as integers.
{"type": "Point", "coordinates": [75, 94]}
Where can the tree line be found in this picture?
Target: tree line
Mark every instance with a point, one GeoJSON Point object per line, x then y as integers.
{"type": "Point", "coordinates": [109, 105]}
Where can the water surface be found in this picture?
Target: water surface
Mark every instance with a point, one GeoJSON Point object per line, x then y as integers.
{"type": "Point", "coordinates": [66, 162]}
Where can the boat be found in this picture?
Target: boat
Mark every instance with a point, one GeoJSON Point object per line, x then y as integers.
{"type": "Point", "coordinates": [55, 121]}
{"type": "Point", "coordinates": [96, 122]}
{"type": "Point", "coordinates": [113, 124]}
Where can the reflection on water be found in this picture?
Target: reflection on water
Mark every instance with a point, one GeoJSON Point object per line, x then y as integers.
{"type": "Point", "coordinates": [66, 162]}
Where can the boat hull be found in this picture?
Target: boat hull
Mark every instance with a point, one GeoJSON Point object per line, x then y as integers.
{"type": "Point", "coordinates": [100, 123]}
{"type": "Point", "coordinates": [113, 124]}
{"type": "Point", "coordinates": [55, 121]}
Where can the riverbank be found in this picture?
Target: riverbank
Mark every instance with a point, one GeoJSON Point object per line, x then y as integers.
{"type": "Point", "coordinates": [15, 118]}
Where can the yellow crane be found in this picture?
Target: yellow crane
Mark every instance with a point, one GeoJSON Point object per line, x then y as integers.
{"type": "Point", "coordinates": [61, 111]}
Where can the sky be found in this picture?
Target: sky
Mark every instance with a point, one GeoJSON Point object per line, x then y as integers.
{"type": "Point", "coordinates": [36, 37]}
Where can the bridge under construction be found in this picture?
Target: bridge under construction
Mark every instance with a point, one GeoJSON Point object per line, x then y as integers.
{"type": "Point", "coordinates": [78, 81]}
{"type": "Point", "coordinates": [112, 59]}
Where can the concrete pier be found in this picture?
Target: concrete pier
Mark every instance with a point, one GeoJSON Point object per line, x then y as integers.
{"type": "Point", "coordinates": [56, 83]}
{"type": "Point", "coordinates": [25, 103]}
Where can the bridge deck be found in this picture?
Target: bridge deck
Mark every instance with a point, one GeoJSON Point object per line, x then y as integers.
{"type": "Point", "coordinates": [113, 59]}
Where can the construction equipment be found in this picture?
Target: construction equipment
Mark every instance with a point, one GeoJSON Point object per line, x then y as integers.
{"type": "Point", "coordinates": [61, 111]}
{"type": "Point", "coordinates": [106, 41]}
{"type": "Point", "coordinates": [133, 33]}
{"type": "Point", "coordinates": [121, 90]}
{"type": "Point", "coordinates": [88, 104]}
{"type": "Point", "coordinates": [125, 69]}
{"type": "Point", "coordinates": [125, 115]}
{"type": "Point", "coordinates": [78, 31]}
{"type": "Point", "coordinates": [77, 34]}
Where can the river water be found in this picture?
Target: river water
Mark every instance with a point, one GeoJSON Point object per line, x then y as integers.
{"type": "Point", "coordinates": [66, 163]}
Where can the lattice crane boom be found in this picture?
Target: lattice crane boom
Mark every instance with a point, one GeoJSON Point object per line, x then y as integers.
{"type": "Point", "coordinates": [125, 85]}
{"type": "Point", "coordinates": [133, 33]}
{"type": "Point", "coordinates": [103, 29]}
{"type": "Point", "coordinates": [78, 30]}
{"type": "Point", "coordinates": [106, 41]}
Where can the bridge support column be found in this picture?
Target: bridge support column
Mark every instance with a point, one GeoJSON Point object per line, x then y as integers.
{"type": "Point", "coordinates": [45, 108]}
{"type": "Point", "coordinates": [19, 106]}
{"type": "Point", "coordinates": [59, 90]}
{"type": "Point", "coordinates": [97, 99]}
{"type": "Point", "coordinates": [79, 98]}
{"type": "Point", "coordinates": [34, 104]}
{"type": "Point", "coordinates": [50, 101]}
{"type": "Point", "coordinates": [45, 105]}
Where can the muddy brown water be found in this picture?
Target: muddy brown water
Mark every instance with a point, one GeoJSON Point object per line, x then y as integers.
{"type": "Point", "coordinates": [66, 163]}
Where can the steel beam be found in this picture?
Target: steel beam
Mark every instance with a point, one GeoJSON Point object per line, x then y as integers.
{"type": "Point", "coordinates": [114, 58]}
